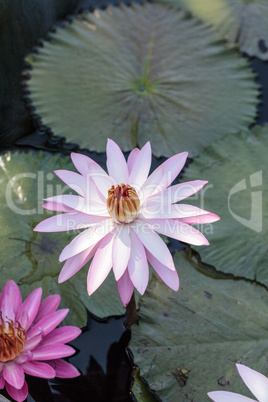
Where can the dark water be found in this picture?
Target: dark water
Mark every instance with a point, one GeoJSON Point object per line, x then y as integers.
{"type": "Point", "coordinates": [102, 355]}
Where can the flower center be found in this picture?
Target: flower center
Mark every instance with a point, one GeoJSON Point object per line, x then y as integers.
{"type": "Point", "coordinates": [12, 340]}
{"type": "Point", "coordinates": [123, 203]}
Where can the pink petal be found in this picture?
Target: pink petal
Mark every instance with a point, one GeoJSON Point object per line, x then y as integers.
{"type": "Point", "coordinates": [116, 163]}
{"type": "Point", "coordinates": [125, 288]}
{"type": "Point", "coordinates": [80, 204]}
{"type": "Point", "coordinates": [48, 306]}
{"type": "Point", "coordinates": [131, 158]}
{"type": "Point", "coordinates": [31, 343]}
{"type": "Point", "coordinates": [54, 206]}
{"type": "Point", "coordinates": [74, 180]}
{"type": "Point", "coordinates": [101, 264]}
{"type": "Point", "coordinates": [50, 352]}
{"type": "Point", "coordinates": [38, 369]}
{"type": "Point", "coordinates": [14, 374]}
{"type": "Point", "coordinates": [151, 185]}
{"type": "Point", "coordinates": [141, 168]}
{"type": "Point", "coordinates": [201, 219]}
{"type": "Point", "coordinates": [137, 266]}
{"type": "Point", "coordinates": [121, 250]}
{"type": "Point", "coordinates": [169, 277]}
{"type": "Point", "coordinates": [10, 300]}
{"type": "Point", "coordinates": [68, 221]}
{"type": "Point", "coordinates": [30, 306]}
{"type": "Point", "coordinates": [75, 263]}
{"type": "Point", "coordinates": [64, 369]}
{"type": "Point", "coordinates": [224, 396]}
{"type": "Point", "coordinates": [256, 382]}
{"type": "Point", "coordinates": [48, 323]}
{"type": "Point", "coordinates": [62, 335]}
{"type": "Point", "coordinates": [2, 382]}
{"type": "Point", "coordinates": [87, 238]}
{"type": "Point", "coordinates": [18, 394]}
{"type": "Point", "coordinates": [83, 164]}
{"type": "Point", "coordinates": [179, 192]}
{"type": "Point", "coordinates": [178, 230]}
{"type": "Point", "coordinates": [153, 243]}
{"type": "Point", "coordinates": [175, 211]}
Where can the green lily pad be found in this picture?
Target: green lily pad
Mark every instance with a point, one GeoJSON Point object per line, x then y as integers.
{"type": "Point", "coordinates": [141, 73]}
{"type": "Point", "coordinates": [187, 342]}
{"type": "Point", "coordinates": [31, 258]}
{"type": "Point", "coordinates": [236, 169]}
{"type": "Point", "coordinates": [240, 21]}
{"type": "Point", "coordinates": [140, 389]}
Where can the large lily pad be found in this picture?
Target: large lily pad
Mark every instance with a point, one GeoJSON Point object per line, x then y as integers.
{"type": "Point", "coordinates": [31, 258]}
{"type": "Point", "coordinates": [236, 168]}
{"type": "Point", "coordinates": [187, 342]}
{"type": "Point", "coordinates": [141, 73]}
{"type": "Point", "coordinates": [240, 21]}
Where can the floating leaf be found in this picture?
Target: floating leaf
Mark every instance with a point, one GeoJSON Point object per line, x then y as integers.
{"type": "Point", "coordinates": [236, 168]}
{"type": "Point", "coordinates": [31, 258]}
{"type": "Point", "coordinates": [140, 389]}
{"type": "Point", "coordinates": [141, 73]}
{"type": "Point", "coordinates": [187, 342]}
{"type": "Point", "coordinates": [241, 21]}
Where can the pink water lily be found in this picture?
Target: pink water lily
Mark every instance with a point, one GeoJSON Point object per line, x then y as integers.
{"type": "Point", "coordinates": [256, 382]}
{"type": "Point", "coordinates": [121, 213]}
{"type": "Point", "coordinates": [29, 342]}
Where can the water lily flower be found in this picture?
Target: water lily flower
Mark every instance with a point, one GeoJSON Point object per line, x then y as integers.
{"type": "Point", "coordinates": [122, 211]}
{"type": "Point", "coordinates": [256, 382]}
{"type": "Point", "coordinates": [29, 342]}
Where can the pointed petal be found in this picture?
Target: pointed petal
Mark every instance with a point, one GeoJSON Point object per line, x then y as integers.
{"type": "Point", "coordinates": [87, 238]}
{"type": "Point", "coordinates": [62, 335]}
{"type": "Point", "coordinates": [14, 374]}
{"type": "Point", "coordinates": [141, 168]}
{"type": "Point", "coordinates": [50, 352]}
{"type": "Point", "coordinates": [116, 163]}
{"type": "Point", "coordinates": [68, 221]}
{"type": "Point", "coordinates": [175, 211]}
{"type": "Point", "coordinates": [18, 394]}
{"type": "Point", "coordinates": [125, 288]}
{"type": "Point", "coordinates": [121, 250]}
{"type": "Point", "coordinates": [101, 264]}
{"type": "Point", "coordinates": [30, 344]}
{"type": "Point", "coordinates": [64, 369]}
{"type": "Point", "coordinates": [48, 306]}
{"type": "Point", "coordinates": [151, 185]}
{"type": "Point", "coordinates": [48, 323]}
{"type": "Point", "coordinates": [81, 162]}
{"type": "Point", "coordinates": [256, 382]}
{"type": "Point", "coordinates": [2, 382]}
{"type": "Point", "coordinates": [170, 277]}
{"type": "Point", "coordinates": [80, 204]}
{"type": "Point", "coordinates": [10, 300]}
{"type": "Point", "coordinates": [178, 192]}
{"type": "Point", "coordinates": [74, 180]}
{"type": "Point", "coordinates": [131, 158]}
{"type": "Point", "coordinates": [54, 206]}
{"type": "Point", "coordinates": [138, 266]}
{"type": "Point", "coordinates": [38, 369]}
{"type": "Point", "coordinates": [153, 243]}
{"type": "Point", "coordinates": [178, 230]}
{"type": "Point", "coordinates": [201, 219]}
{"type": "Point", "coordinates": [31, 306]}
{"type": "Point", "coordinates": [224, 396]}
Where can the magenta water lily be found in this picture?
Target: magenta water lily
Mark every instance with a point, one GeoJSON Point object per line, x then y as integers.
{"type": "Point", "coordinates": [121, 213]}
{"type": "Point", "coordinates": [29, 342]}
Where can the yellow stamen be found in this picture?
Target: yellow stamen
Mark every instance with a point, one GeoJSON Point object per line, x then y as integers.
{"type": "Point", "coordinates": [123, 203]}
{"type": "Point", "coordinates": [12, 339]}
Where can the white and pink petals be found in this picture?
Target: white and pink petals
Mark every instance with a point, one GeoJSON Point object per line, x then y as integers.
{"type": "Point", "coordinates": [50, 352]}
{"type": "Point", "coordinates": [38, 369]}
{"type": "Point", "coordinates": [57, 207]}
{"type": "Point", "coordinates": [141, 167]}
{"type": "Point", "coordinates": [101, 264]}
{"type": "Point", "coordinates": [18, 394]}
{"type": "Point", "coordinates": [74, 180]}
{"type": "Point", "coordinates": [125, 288]}
{"type": "Point", "coordinates": [48, 323]}
{"type": "Point", "coordinates": [138, 266]}
{"type": "Point", "coordinates": [153, 243]}
{"type": "Point", "coordinates": [87, 238]}
{"type": "Point", "coordinates": [75, 263]}
{"type": "Point", "coordinates": [170, 278]}
{"type": "Point", "coordinates": [81, 162]}
{"type": "Point", "coordinates": [256, 382]}
{"type": "Point", "coordinates": [30, 306]}
{"type": "Point", "coordinates": [201, 219]}
{"type": "Point", "coordinates": [62, 335]}
{"type": "Point", "coordinates": [48, 306]}
{"type": "Point", "coordinates": [178, 192]}
{"type": "Point", "coordinates": [121, 250]}
{"type": "Point", "coordinates": [68, 221]}
{"type": "Point", "coordinates": [131, 158]}
{"type": "Point", "coordinates": [10, 300]}
{"type": "Point", "coordinates": [14, 374]}
{"type": "Point", "coordinates": [116, 163]}
{"type": "Point", "coordinates": [151, 185]}
{"type": "Point", "coordinates": [179, 230]}
{"type": "Point", "coordinates": [64, 369]}
{"type": "Point", "coordinates": [175, 211]}
{"type": "Point", "coordinates": [225, 396]}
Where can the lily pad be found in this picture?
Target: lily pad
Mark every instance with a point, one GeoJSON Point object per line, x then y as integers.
{"type": "Point", "coordinates": [187, 342]}
{"type": "Point", "coordinates": [141, 73]}
{"type": "Point", "coordinates": [240, 21]}
{"type": "Point", "coordinates": [31, 258]}
{"type": "Point", "coordinates": [140, 389]}
{"type": "Point", "coordinates": [236, 169]}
